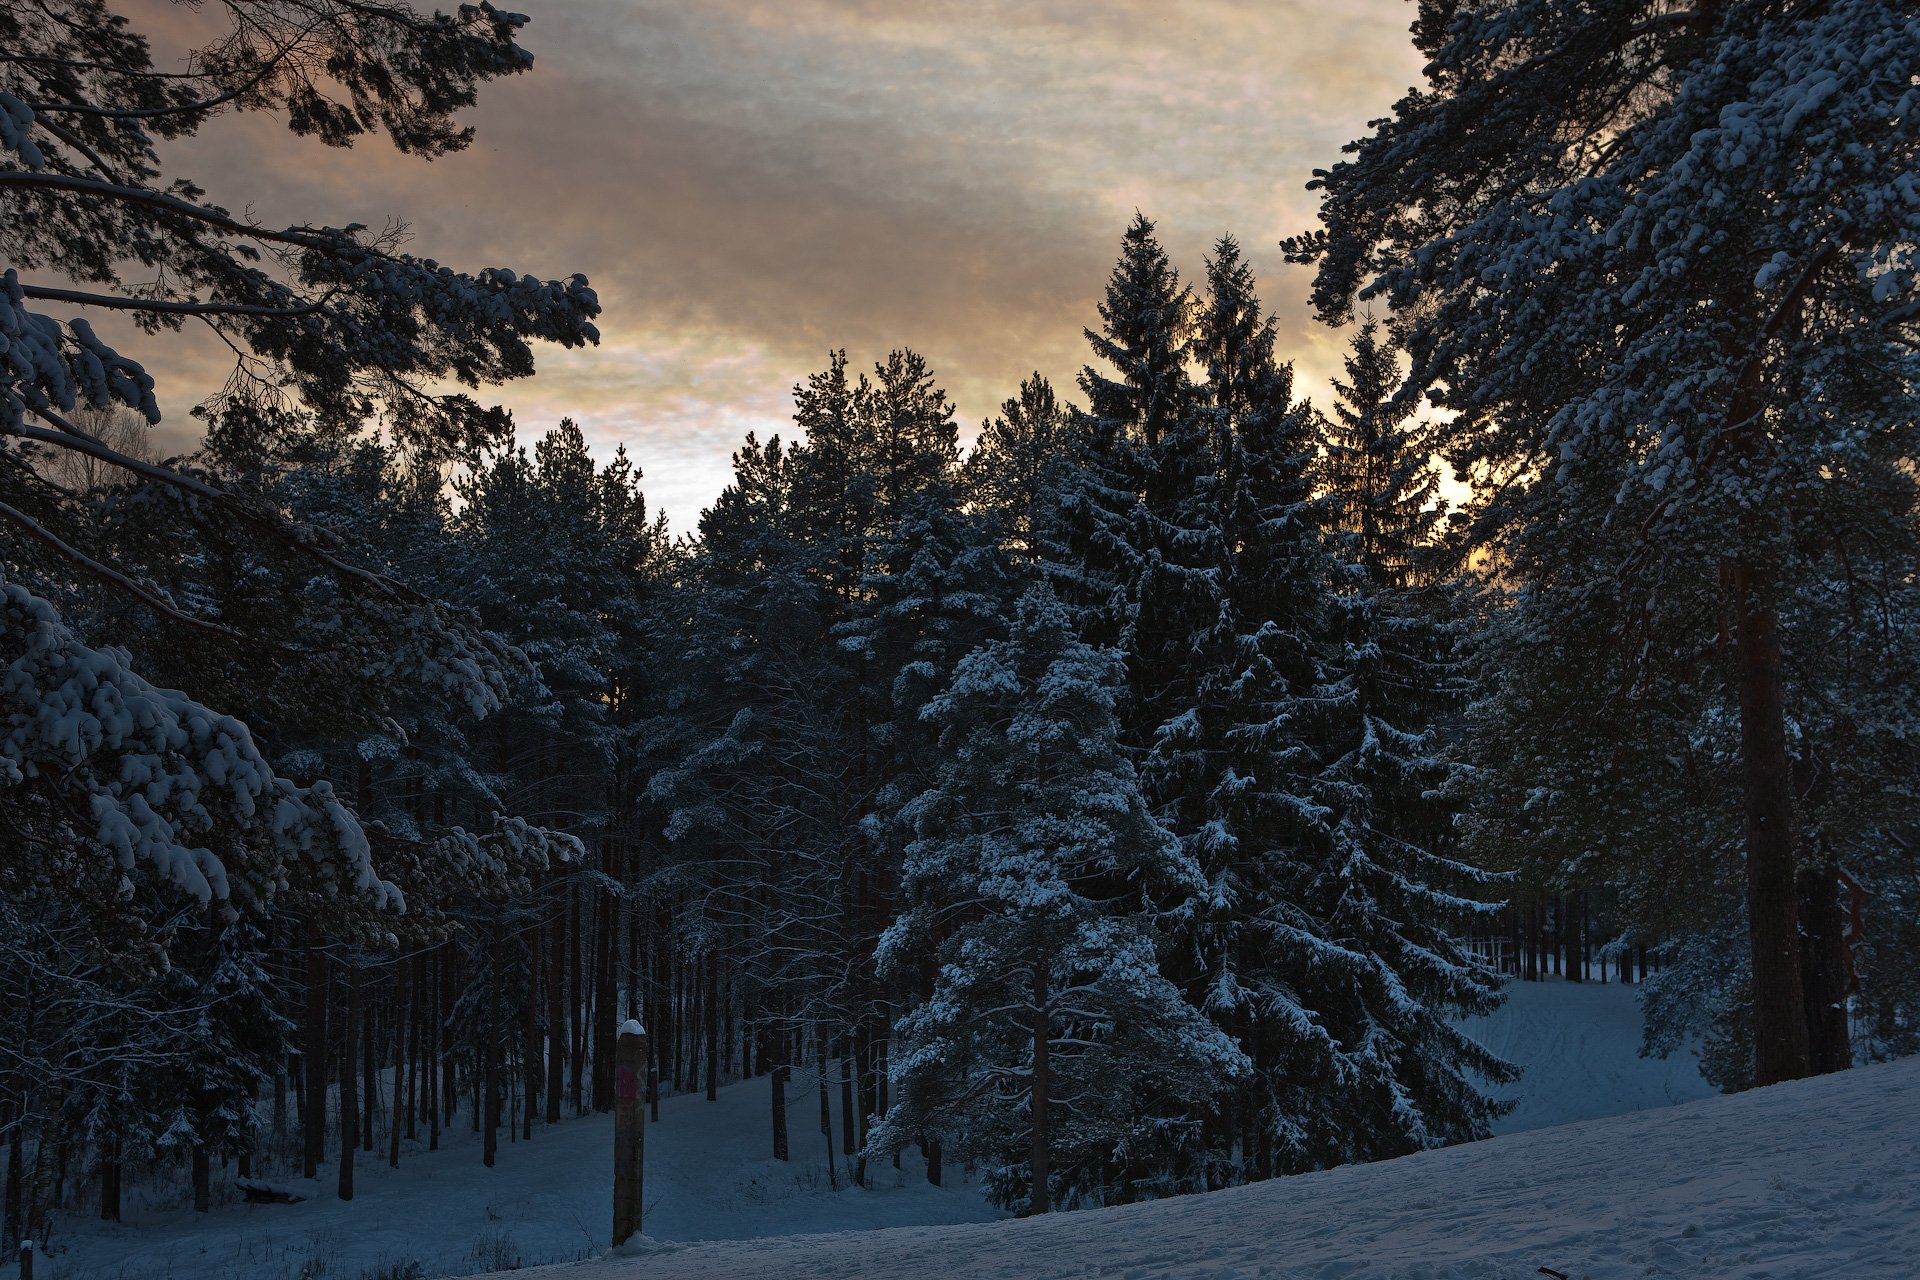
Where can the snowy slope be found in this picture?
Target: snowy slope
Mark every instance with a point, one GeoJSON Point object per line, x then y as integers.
{"type": "Point", "coordinates": [1811, 1179]}
{"type": "Point", "coordinates": [1579, 1044]}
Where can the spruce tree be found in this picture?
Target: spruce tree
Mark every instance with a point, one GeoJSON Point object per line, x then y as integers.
{"type": "Point", "coordinates": [1118, 510]}
{"type": "Point", "coordinates": [1051, 1047]}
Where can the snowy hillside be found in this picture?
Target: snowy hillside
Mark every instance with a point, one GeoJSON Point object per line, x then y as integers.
{"type": "Point", "coordinates": [1811, 1179]}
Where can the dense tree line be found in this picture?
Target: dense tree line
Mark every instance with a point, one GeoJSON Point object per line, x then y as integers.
{"type": "Point", "coordinates": [1127, 806]}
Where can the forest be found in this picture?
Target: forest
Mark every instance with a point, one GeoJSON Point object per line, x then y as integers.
{"type": "Point", "coordinates": [1130, 804]}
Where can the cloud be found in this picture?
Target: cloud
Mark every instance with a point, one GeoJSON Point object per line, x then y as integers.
{"type": "Point", "coordinates": [749, 184]}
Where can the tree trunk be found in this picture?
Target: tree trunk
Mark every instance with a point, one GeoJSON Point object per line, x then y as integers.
{"type": "Point", "coordinates": [1038, 1202]}
{"type": "Point", "coordinates": [863, 1072]}
{"type": "Point", "coordinates": [826, 1109]}
{"type": "Point", "coordinates": [606, 1000]}
{"type": "Point", "coordinates": [488, 1104]}
{"type": "Point", "coordinates": [202, 1179]}
{"type": "Point", "coordinates": [847, 1103]}
{"type": "Point", "coordinates": [653, 1079]}
{"type": "Point", "coordinates": [727, 1021]}
{"type": "Point", "coordinates": [313, 1126]}
{"type": "Point", "coordinates": [531, 1068]}
{"type": "Point", "coordinates": [349, 1104]}
{"type": "Point", "coordinates": [557, 1018]}
{"type": "Point", "coordinates": [713, 1027]}
{"type": "Point", "coordinates": [1780, 1050]}
{"type": "Point", "coordinates": [369, 1077]}
{"type": "Point", "coordinates": [16, 1173]}
{"type": "Point", "coordinates": [579, 1005]}
{"type": "Point", "coordinates": [439, 1085]}
{"type": "Point", "coordinates": [635, 991]}
{"type": "Point", "coordinates": [1824, 968]}
{"type": "Point", "coordinates": [280, 1105]}
{"type": "Point", "coordinates": [110, 1180]}
{"type": "Point", "coordinates": [882, 1070]}
{"type": "Point", "coordinates": [415, 1058]}
{"type": "Point", "coordinates": [780, 1073]}
{"type": "Point", "coordinates": [1570, 939]}
{"type": "Point", "coordinates": [1586, 939]}
{"type": "Point", "coordinates": [1559, 930]}
{"type": "Point", "coordinates": [747, 1033]}
{"type": "Point", "coordinates": [402, 1019]}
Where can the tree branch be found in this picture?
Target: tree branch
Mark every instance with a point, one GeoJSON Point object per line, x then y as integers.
{"type": "Point", "coordinates": [118, 303]}
{"type": "Point", "coordinates": [110, 575]}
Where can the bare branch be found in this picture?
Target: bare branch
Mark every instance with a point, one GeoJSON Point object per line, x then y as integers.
{"type": "Point", "coordinates": [119, 303]}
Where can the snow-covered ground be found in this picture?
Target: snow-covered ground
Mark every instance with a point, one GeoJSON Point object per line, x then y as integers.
{"type": "Point", "coordinates": [1819, 1178]}
{"type": "Point", "coordinates": [709, 1176]}
{"type": "Point", "coordinates": [1579, 1043]}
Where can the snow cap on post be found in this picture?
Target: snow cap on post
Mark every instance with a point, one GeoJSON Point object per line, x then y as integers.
{"type": "Point", "coordinates": [632, 1027]}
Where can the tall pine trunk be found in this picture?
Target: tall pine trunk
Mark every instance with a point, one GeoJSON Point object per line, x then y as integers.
{"type": "Point", "coordinates": [15, 1221]}
{"type": "Point", "coordinates": [1823, 968]}
{"type": "Point", "coordinates": [110, 1179]}
{"type": "Point", "coordinates": [557, 1013]}
{"type": "Point", "coordinates": [1780, 1042]}
{"type": "Point", "coordinates": [532, 1071]}
{"type": "Point", "coordinates": [313, 1124]}
{"type": "Point", "coordinates": [578, 1064]}
{"type": "Point", "coordinates": [848, 1105]}
{"type": "Point", "coordinates": [402, 1020]}
{"type": "Point", "coordinates": [826, 1108]}
{"type": "Point", "coordinates": [487, 1108]}
{"type": "Point", "coordinates": [202, 1178]}
{"type": "Point", "coordinates": [779, 1074]}
{"type": "Point", "coordinates": [369, 1077]}
{"type": "Point", "coordinates": [713, 1026]}
{"type": "Point", "coordinates": [349, 1104]}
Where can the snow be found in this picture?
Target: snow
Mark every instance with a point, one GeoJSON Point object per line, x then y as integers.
{"type": "Point", "coordinates": [1559, 1197]}
{"type": "Point", "coordinates": [1578, 1045]}
{"type": "Point", "coordinates": [708, 1176]}
{"type": "Point", "coordinates": [1809, 1179]}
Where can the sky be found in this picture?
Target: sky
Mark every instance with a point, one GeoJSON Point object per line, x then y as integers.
{"type": "Point", "coordinates": [748, 185]}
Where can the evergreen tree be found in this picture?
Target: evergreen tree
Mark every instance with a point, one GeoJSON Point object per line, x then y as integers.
{"type": "Point", "coordinates": [1387, 884]}
{"type": "Point", "coordinates": [1119, 512]}
{"type": "Point", "coordinates": [1051, 1046]}
{"type": "Point", "coordinates": [1020, 469]}
{"type": "Point", "coordinates": [1659, 269]}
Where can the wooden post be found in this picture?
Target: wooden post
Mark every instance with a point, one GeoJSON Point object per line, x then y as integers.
{"type": "Point", "coordinates": [26, 1260]}
{"type": "Point", "coordinates": [629, 1129]}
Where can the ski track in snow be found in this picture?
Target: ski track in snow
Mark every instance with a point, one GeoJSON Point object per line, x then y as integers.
{"type": "Point", "coordinates": [1818, 1178]}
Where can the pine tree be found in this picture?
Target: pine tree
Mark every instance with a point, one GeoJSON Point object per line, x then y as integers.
{"type": "Point", "coordinates": [1658, 268]}
{"type": "Point", "coordinates": [1020, 468]}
